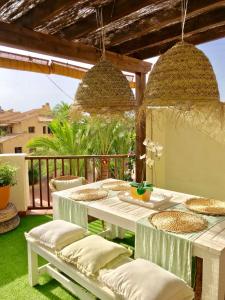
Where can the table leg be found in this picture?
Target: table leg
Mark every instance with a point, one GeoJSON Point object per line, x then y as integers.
{"type": "Point", "coordinates": [213, 277]}
{"type": "Point", "coordinates": [198, 279]}
{"type": "Point", "coordinates": [33, 273]}
{"type": "Point", "coordinates": [121, 233]}
{"type": "Point", "coordinates": [112, 234]}
{"type": "Point", "coordinates": [115, 231]}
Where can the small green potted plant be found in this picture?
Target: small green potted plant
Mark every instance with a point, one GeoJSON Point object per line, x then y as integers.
{"type": "Point", "coordinates": [142, 190]}
{"type": "Point", "coordinates": [7, 179]}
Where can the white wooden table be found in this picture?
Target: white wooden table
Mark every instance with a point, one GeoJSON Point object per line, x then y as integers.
{"type": "Point", "coordinates": [210, 246]}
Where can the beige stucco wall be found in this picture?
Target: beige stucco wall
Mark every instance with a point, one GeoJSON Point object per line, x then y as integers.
{"type": "Point", "coordinates": [19, 192]}
{"type": "Point", "coordinates": [192, 161]}
{"type": "Point", "coordinates": [18, 141]}
{"type": "Point", "coordinates": [22, 127]}
{"type": "Point", "coordinates": [22, 139]}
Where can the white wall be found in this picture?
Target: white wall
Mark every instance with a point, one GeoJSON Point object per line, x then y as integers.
{"type": "Point", "coordinates": [192, 161]}
{"type": "Point", "coordinates": [20, 192]}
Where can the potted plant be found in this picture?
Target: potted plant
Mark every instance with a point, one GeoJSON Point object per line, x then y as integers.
{"type": "Point", "coordinates": [142, 191]}
{"type": "Point", "coordinates": [7, 179]}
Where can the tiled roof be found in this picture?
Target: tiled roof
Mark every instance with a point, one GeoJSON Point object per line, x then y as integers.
{"type": "Point", "coordinates": [8, 137]}
{"type": "Point", "coordinates": [11, 117]}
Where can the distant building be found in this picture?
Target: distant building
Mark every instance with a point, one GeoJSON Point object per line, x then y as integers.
{"type": "Point", "coordinates": [19, 127]}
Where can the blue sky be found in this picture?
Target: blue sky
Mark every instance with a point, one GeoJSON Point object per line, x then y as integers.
{"type": "Point", "coordinates": [25, 90]}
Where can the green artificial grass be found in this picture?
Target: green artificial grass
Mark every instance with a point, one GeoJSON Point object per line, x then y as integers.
{"type": "Point", "coordinates": [13, 264]}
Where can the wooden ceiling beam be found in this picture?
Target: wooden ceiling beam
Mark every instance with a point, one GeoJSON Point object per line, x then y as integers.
{"type": "Point", "coordinates": [44, 66]}
{"type": "Point", "coordinates": [159, 19]}
{"type": "Point", "coordinates": [206, 34]}
{"type": "Point", "coordinates": [43, 11]}
{"type": "Point", "coordinates": [209, 19]}
{"type": "Point", "coordinates": [111, 12]}
{"type": "Point", "coordinates": [21, 38]}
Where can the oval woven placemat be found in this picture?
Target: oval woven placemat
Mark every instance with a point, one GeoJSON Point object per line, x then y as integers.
{"type": "Point", "coordinates": [10, 224]}
{"type": "Point", "coordinates": [118, 185]}
{"type": "Point", "coordinates": [206, 206]}
{"type": "Point", "coordinates": [8, 213]}
{"type": "Point", "coordinates": [89, 194]}
{"type": "Point", "coordinates": [178, 221]}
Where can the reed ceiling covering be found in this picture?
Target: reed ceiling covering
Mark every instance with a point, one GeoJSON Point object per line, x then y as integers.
{"type": "Point", "coordinates": [139, 29]}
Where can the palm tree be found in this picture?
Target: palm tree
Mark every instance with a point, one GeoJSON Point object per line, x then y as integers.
{"type": "Point", "coordinates": [66, 139]}
{"type": "Point", "coordinates": [61, 111]}
{"type": "Point", "coordinates": [112, 135]}
{"type": "Point", "coordinates": [93, 135]}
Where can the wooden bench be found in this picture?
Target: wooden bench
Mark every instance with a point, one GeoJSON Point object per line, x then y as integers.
{"type": "Point", "coordinates": [73, 280]}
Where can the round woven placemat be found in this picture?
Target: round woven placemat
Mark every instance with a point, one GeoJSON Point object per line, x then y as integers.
{"type": "Point", "coordinates": [178, 221]}
{"type": "Point", "coordinates": [89, 194]}
{"type": "Point", "coordinates": [10, 224]}
{"type": "Point", "coordinates": [118, 185]}
{"type": "Point", "coordinates": [8, 213]}
{"type": "Point", "coordinates": [206, 206]}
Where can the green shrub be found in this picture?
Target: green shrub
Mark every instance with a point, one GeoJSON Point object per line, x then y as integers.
{"type": "Point", "coordinates": [33, 176]}
{"type": "Point", "coordinates": [7, 175]}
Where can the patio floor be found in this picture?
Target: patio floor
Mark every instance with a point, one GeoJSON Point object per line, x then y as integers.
{"type": "Point", "coordinates": [13, 264]}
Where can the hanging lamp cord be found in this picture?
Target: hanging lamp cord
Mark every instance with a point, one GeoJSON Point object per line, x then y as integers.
{"type": "Point", "coordinates": [99, 19]}
{"type": "Point", "coordinates": [184, 4]}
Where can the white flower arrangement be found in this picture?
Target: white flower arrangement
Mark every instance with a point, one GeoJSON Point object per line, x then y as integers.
{"type": "Point", "coordinates": [155, 149]}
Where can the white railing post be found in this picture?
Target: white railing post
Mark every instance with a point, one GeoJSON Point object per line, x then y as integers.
{"type": "Point", "coordinates": [19, 194]}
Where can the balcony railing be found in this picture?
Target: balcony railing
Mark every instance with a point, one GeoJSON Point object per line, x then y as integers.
{"type": "Point", "coordinates": [93, 167]}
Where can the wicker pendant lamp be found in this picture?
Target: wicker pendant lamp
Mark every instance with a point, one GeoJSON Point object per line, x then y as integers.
{"type": "Point", "coordinates": [182, 77]}
{"type": "Point", "coordinates": [104, 88]}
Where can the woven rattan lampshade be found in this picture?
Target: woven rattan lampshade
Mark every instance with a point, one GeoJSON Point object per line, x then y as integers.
{"type": "Point", "coordinates": [182, 76]}
{"type": "Point", "coordinates": [103, 89]}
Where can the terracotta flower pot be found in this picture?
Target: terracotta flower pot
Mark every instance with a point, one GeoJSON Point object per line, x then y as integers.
{"type": "Point", "coordinates": [4, 196]}
{"type": "Point", "coordinates": [143, 197]}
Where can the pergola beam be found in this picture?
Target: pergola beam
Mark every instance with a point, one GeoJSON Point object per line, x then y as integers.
{"type": "Point", "coordinates": [140, 127]}
{"type": "Point", "coordinates": [110, 12]}
{"type": "Point", "coordinates": [205, 21]}
{"type": "Point", "coordinates": [197, 17]}
{"type": "Point", "coordinates": [206, 34]}
{"type": "Point", "coordinates": [43, 11]}
{"type": "Point", "coordinates": [44, 66]}
{"type": "Point", "coordinates": [141, 30]}
{"type": "Point", "coordinates": [19, 37]}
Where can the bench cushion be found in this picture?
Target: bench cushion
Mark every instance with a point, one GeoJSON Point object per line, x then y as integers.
{"type": "Point", "coordinates": [143, 280]}
{"type": "Point", "coordinates": [92, 253]}
{"type": "Point", "coordinates": [57, 234]}
{"type": "Point", "coordinates": [61, 185]}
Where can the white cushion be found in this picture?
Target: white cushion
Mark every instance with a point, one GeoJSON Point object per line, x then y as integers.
{"type": "Point", "coordinates": [143, 280]}
{"type": "Point", "coordinates": [57, 234]}
{"type": "Point", "coordinates": [92, 253]}
{"type": "Point", "coordinates": [61, 185]}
